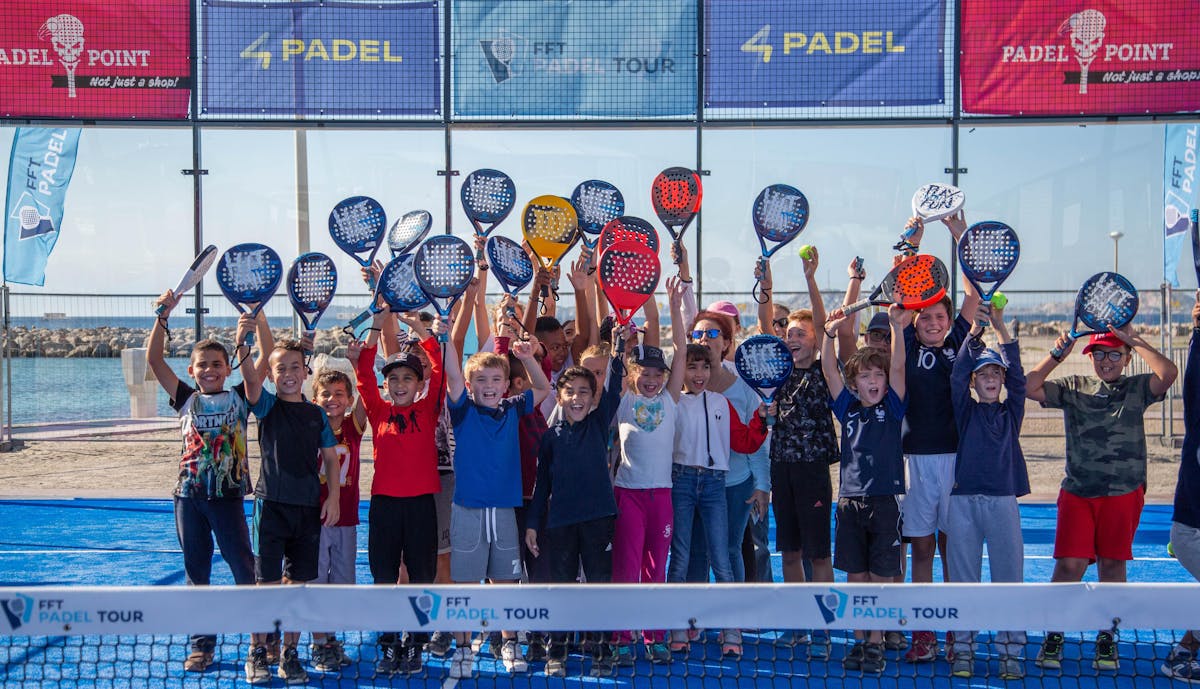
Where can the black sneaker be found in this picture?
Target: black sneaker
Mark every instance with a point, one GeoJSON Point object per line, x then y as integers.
{"type": "Point", "coordinates": [1106, 653]}
{"type": "Point", "coordinates": [257, 669]}
{"type": "Point", "coordinates": [1049, 657]}
{"type": "Point", "coordinates": [854, 657]}
{"type": "Point", "coordinates": [388, 662]}
{"type": "Point", "coordinates": [873, 661]}
{"type": "Point", "coordinates": [439, 644]}
{"type": "Point", "coordinates": [290, 668]}
{"type": "Point", "coordinates": [408, 660]}
{"type": "Point", "coordinates": [537, 648]}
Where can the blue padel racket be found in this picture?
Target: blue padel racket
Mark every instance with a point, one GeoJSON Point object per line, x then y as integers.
{"type": "Point", "coordinates": [988, 253]}
{"type": "Point", "coordinates": [628, 227]}
{"type": "Point", "coordinates": [397, 289]}
{"type": "Point", "coordinates": [311, 284]}
{"type": "Point", "coordinates": [780, 214]}
{"type": "Point", "coordinates": [765, 363]}
{"type": "Point", "coordinates": [407, 232]}
{"type": "Point", "coordinates": [248, 275]}
{"type": "Point", "coordinates": [510, 264]}
{"type": "Point", "coordinates": [444, 266]}
{"type": "Point", "coordinates": [1106, 299]}
{"type": "Point", "coordinates": [357, 226]}
{"type": "Point", "coordinates": [487, 196]}
{"type": "Point", "coordinates": [193, 276]}
{"type": "Point", "coordinates": [597, 203]}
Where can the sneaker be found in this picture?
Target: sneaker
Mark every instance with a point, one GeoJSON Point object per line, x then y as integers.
{"type": "Point", "coordinates": [923, 648]}
{"type": "Point", "coordinates": [1181, 664]}
{"type": "Point", "coordinates": [510, 654]}
{"type": "Point", "coordinates": [198, 661]}
{"type": "Point", "coordinates": [324, 658]}
{"type": "Point", "coordinates": [258, 671]}
{"type": "Point", "coordinates": [1106, 653]}
{"type": "Point", "coordinates": [854, 657]}
{"type": "Point", "coordinates": [658, 653]}
{"type": "Point", "coordinates": [604, 663]}
{"type": "Point", "coordinates": [537, 648]}
{"type": "Point", "coordinates": [819, 646]}
{"type": "Point", "coordinates": [273, 650]}
{"type": "Point", "coordinates": [894, 641]}
{"type": "Point", "coordinates": [408, 660]}
{"type": "Point", "coordinates": [290, 669]}
{"type": "Point", "coordinates": [388, 662]}
{"type": "Point", "coordinates": [556, 667]}
{"type": "Point", "coordinates": [493, 639]}
{"type": "Point", "coordinates": [439, 644]}
{"type": "Point", "coordinates": [338, 651]}
{"type": "Point", "coordinates": [873, 661]}
{"type": "Point", "coordinates": [625, 655]}
{"type": "Point", "coordinates": [462, 663]}
{"type": "Point", "coordinates": [963, 665]}
{"type": "Point", "coordinates": [1012, 668]}
{"type": "Point", "coordinates": [1049, 656]}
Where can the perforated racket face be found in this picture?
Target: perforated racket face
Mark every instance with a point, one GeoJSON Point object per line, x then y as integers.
{"type": "Point", "coordinates": [919, 281]}
{"type": "Point", "coordinates": [398, 286]}
{"type": "Point", "coordinates": [249, 274]}
{"type": "Point", "coordinates": [629, 273]}
{"type": "Point", "coordinates": [1106, 299]}
{"type": "Point", "coordinates": [357, 224]}
{"type": "Point", "coordinates": [550, 226]}
{"type": "Point", "coordinates": [408, 231]}
{"type": "Point", "coordinates": [596, 202]}
{"type": "Point", "coordinates": [510, 264]}
{"type": "Point", "coordinates": [311, 283]}
{"type": "Point", "coordinates": [488, 196]}
{"type": "Point", "coordinates": [936, 201]}
{"type": "Point", "coordinates": [988, 251]}
{"type": "Point", "coordinates": [629, 228]}
{"type": "Point", "coordinates": [444, 266]}
{"type": "Point", "coordinates": [676, 194]}
{"type": "Point", "coordinates": [780, 213]}
{"type": "Point", "coordinates": [763, 361]}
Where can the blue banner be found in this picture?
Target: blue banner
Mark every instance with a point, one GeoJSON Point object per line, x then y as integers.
{"type": "Point", "coordinates": [772, 54]}
{"type": "Point", "coordinates": [550, 59]}
{"type": "Point", "coordinates": [1179, 193]}
{"type": "Point", "coordinates": [39, 171]}
{"type": "Point", "coordinates": [327, 60]}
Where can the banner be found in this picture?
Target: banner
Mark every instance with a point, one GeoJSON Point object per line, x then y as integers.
{"type": "Point", "coordinates": [320, 60]}
{"type": "Point", "coordinates": [95, 59]}
{"type": "Point", "coordinates": [767, 53]}
{"type": "Point", "coordinates": [1058, 57]}
{"type": "Point", "coordinates": [545, 58]}
{"type": "Point", "coordinates": [1179, 193]}
{"type": "Point", "coordinates": [38, 174]}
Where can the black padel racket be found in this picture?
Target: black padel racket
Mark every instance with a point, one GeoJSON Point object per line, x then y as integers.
{"type": "Point", "coordinates": [195, 273]}
{"type": "Point", "coordinates": [407, 232]}
{"type": "Point", "coordinates": [357, 226]}
{"type": "Point", "coordinates": [487, 196]}
{"type": "Point", "coordinates": [780, 214]}
{"type": "Point", "coordinates": [444, 266]}
{"type": "Point", "coordinates": [988, 253]}
{"type": "Point", "coordinates": [628, 228]}
{"type": "Point", "coordinates": [765, 363]}
{"type": "Point", "coordinates": [918, 281]}
{"type": "Point", "coordinates": [1106, 299]}
{"type": "Point", "coordinates": [248, 275]}
{"type": "Point", "coordinates": [676, 194]}
{"type": "Point", "coordinates": [628, 274]}
{"type": "Point", "coordinates": [596, 203]}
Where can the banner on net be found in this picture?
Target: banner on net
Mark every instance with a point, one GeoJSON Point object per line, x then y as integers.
{"type": "Point", "coordinates": [1179, 193]}
{"type": "Point", "coordinates": [770, 54]}
{"type": "Point", "coordinates": [544, 58]}
{"type": "Point", "coordinates": [320, 59]}
{"type": "Point", "coordinates": [39, 173]}
{"type": "Point", "coordinates": [95, 59]}
{"type": "Point", "coordinates": [1063, 58]}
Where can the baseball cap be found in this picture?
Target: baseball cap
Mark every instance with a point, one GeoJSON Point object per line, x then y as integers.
{"type": "Point", "coordinates": [989, 357]}
{"type": "Point", "coordinates": [725, 308]}
{"type": "Point", "coordinates": [879, 322]}
{"type": "Point", "coordinates": [648, 356]}
{"type": "Point", "coordinates": [406, 359]}
{"type": "Point", "coordinates": [1103, 340]}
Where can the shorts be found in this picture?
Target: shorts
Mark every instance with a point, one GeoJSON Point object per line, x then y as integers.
{"type": "Point", "coordinates": [1089, 528]}
{"type": "Point", "coordinates": [483, 544]}
{"type": "Point", "coordinates": [1185, 542]}
{"type": "Point", "coordinates": [802, 497]}
{"type": "Point", "coordinates": [868, 536]}
{"type": "Point", "coordinates": [286, 541]}
{"type": "Point", "coordinates": [927, 502]}
{"type": "Point", "coordinates": [338, 555]}
{"type": "Point", "coordinates": [443, 500]}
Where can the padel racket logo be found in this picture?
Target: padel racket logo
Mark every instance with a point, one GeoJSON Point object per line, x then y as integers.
{"type": "Point", "coordinates": [65, 33]}
{"type": "Point", "coordinates": [32, 216]}
{"type": "Point", "coordinates": [500, 51]}
{"type": "Point", "coordinates": [425, 606]}
{"type": "Point", "coordinates": [18, 610]}
{"type": "Point", "coordinates": [832, 605]}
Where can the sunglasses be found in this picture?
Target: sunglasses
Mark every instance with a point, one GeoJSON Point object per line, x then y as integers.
{"type": "Point", "coordinates": [711, 333]}
{"type": "Point", "coordinates": [780, 323]}
{"type": "Point", "coordinates": [1110, 355]}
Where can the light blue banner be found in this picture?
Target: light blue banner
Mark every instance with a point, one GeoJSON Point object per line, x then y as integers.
{"type": "Point", "coordinates": [1179, 193]}
{"type": "Point", "coordinates": [39, 172]}
{"type": "Point", "coordinates": [552, 59]}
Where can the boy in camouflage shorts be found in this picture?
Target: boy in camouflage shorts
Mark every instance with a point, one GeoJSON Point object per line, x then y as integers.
{"type": "Point", "coordinates": [1101, 499]}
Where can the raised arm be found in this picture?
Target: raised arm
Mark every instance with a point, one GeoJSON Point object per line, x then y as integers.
{"type": "Point", "coordinates": [155, 358]}
{"type": "Point", "coordinates": [250, 375]}
{"type": "Point", "coordinates": [829, 361]}
{"type": "Point", "coordinates": [541, 277]}
{"type": "Point", "coordinates": [653, 334]}
{"type": "Point", "coordinates": [1035, 380]}
{"type": "Point", "coordinates": [483, 327]}
{"type": "Point", "coordinates": [766, 306]}
{"type": "Point", "coordinates": [1163, 370]}
{"type": "Point", "coordinates": [266, 344]}
{"type": "Point", "coordinates": [898, 317]}
{"type": "Point", "coordinates": [455, 383]}
{"type": "Point", "coordinates": [814, 292]}
{"type": "Point", "coordinates": [957, 225]}
{"type": "Point", "coordinates": [847, 340]}
{"type": "Point", "coordinates": [675, 290]}
{"type": "Point", "coordinates": [537, 377]}
{"type": "Point", "coordinates": [587, 332]}
{"type": "Point", "coordinates": [466, 311]}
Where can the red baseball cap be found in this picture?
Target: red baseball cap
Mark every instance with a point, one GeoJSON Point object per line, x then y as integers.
{"type": "Point", "coordinates": [1103, 340]}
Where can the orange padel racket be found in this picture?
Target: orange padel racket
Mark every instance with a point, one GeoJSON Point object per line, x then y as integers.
{"type": "Point", "coordinates": [918, 281]}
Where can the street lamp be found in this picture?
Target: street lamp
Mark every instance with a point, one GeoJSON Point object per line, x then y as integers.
{"type": "Point", "coordinates": [1116, 237]}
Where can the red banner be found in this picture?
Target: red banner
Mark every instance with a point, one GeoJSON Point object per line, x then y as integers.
{"type": "Point", "coordinates": [1068, 57]}
{"type": "Point", "coordinates": [95, 59]}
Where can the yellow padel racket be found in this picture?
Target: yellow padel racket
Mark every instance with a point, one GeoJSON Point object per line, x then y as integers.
{"type": "Point", "coordinates": [551, 227]}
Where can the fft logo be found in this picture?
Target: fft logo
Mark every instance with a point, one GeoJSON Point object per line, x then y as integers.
{"type": "Point", "coordinates": [425, 606]}
{"type": "Point", "coordinates": [18, 610]}
{"type": "Point", "coordinates": [832, 605]}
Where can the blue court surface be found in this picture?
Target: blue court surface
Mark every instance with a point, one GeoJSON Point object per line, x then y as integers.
{"type": "Point", "coordinates": [132, 542]}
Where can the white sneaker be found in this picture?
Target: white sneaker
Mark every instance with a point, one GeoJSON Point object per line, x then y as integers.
{"type": "Point", "coordinates": [462, 664]}
{"type": "Point", "coordinates": [510, 654]}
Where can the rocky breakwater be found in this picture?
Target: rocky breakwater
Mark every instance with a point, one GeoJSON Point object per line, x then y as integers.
{"type": "Point", "coordinates": [104, 342]}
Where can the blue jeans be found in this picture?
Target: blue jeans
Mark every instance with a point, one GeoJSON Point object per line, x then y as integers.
{"type": "Point", "coordinates": [737, 515]}
{"type": "Point", "coordinates": [700, 492]}
{"type": "Point", "coordinates": [197, 521]}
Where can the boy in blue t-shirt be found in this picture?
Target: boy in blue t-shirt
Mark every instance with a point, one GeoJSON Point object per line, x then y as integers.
{"type": "Point", "coordinates": [870, 407]}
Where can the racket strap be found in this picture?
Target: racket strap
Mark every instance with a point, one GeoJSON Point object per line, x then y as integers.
{"type": "Point", "coordinates": [162, 320]}
{"type": "Point", "coordinates": [906, 247]}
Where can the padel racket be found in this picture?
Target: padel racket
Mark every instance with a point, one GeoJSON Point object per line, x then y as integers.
{"type": "Point", "coordinates": [628, 227]}
{"type": "Point", "coordinates": [932, 202]}
{"type": "Point", "coordinates": [397, 288]}
{"type": "Point", "coordinates": [408, 231]}
{"type": "Point", "coordinates": [550, 226]}
{"type": "Point", "coordinates": [487, 196]}
{"type": "Point", "coordinates": [311, 283]}
{"type": "Point", "coordinates": [596, 203]}
{"type": "Point", "coordinates": [248, 275]}
{"type": "Point", "coordinates": [780, 214]}
{"type": "Point", "coordinates": [193, 276]}
{"type": "Point", "coordinates": [765, 363]}
{"type": "Point", "coordinates": [988, 253]}
{"type": "Point", "coordinates": [1106, 299]}
{"type": "Point", "coordinates": [510, 265]}
{"type": "Point", "coordinates": [444, 266]}
{"type": "Point", "coordinates": [676, 195]}
{"type": "Point", "coordinates": [1195, 229]}
{"type": "Point", "coordinates": [628, 274]}
{"type": "Point", "coordinates": [357, 225]}
{"type": "Point", "coordinates": [918, 281]}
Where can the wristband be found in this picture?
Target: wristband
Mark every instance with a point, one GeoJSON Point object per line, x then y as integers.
{"type": "Point", "coordinates": [686, 282]}
{"type": "Point", "coordinates": [856, 277]}
{"type": "Point", "coordinates": [827, 334]}
{"type": "Point", "coordinates": [1059, 359]}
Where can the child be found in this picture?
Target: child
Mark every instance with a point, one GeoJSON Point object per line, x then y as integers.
{"type": "Point", "coordinates": [1100, 502]}
{"type": "Point", "coordinates": [487, 462]}
{"type": "Point", "coordinates": [402, 517]}
{"type": "Point", "coordinates": [573, 499]}
{"type": "Point", "coordinates": [213, 472]}
{"type": "Point", "coordinates": [988, 478]}
{"type": "Point", "coordinates": [870, 407]}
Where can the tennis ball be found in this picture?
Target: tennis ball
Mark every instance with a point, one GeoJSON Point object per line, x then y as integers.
{"type": "Point", "coordinates": [1170, 549]}
{"type": "Point", "coordinates": [999, 300]}
{"type": "Point", "coordinates": [806, 252]}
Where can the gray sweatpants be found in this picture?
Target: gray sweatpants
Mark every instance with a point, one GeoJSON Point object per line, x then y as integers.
{"type": "Point", "coordinates": [1185, 541]}
{"type": "Point", "coordinates": [996, 521]}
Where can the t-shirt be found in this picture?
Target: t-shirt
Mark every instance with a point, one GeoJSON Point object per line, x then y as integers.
{"type": "Point", "coordinates": [990, 461]}
{"type": "Point", "coordinates": [349, 440]}
{"type": "Point", "coordinates": [804, 429]}
{"type": "Point", "coordinates": [212, 462]}
{"type": "Point", "coordinates": [1106, 438]}
{"type": "Point", "coordinates": [929, 423]}
{"type": "Point", "coordinates": [1187, 491]}
{"type": "Point", "coordinates": [647, 436]}
{"type": "Point", "coordinates": [872, 460]}
{"type": "Point", "coordinates": [487, 453]}
{"type": "Point", "coordinates": [290, 436]}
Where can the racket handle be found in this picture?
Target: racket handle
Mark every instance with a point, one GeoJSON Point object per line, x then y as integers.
{"type": "Point", "coordinates": [371, 282]}
{"type": "Point", "coordinates": [443, 337]}
{"type": "Point", "coordinates": [856, 306]}
{"type": "Point", "coordinates": [160, 309]}
{"type": "Point", "coordinates": [312, 335]}
{"type": "Point", "coordinates": [249, 341]}
{"type": "Point", "coordinates": [678, 253]}
{"type": "Point", "coordinates": [361, 318]}
{"type": "Point", "coordinates": [1058, 352]}
{"type": "Point", "coordinates": [479, 254]}
{"type": "Point", "coordinates": [770, 420]}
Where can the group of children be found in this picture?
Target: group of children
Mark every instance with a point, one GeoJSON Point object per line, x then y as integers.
{"type": "Point", "coordinates": [557, 454]}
